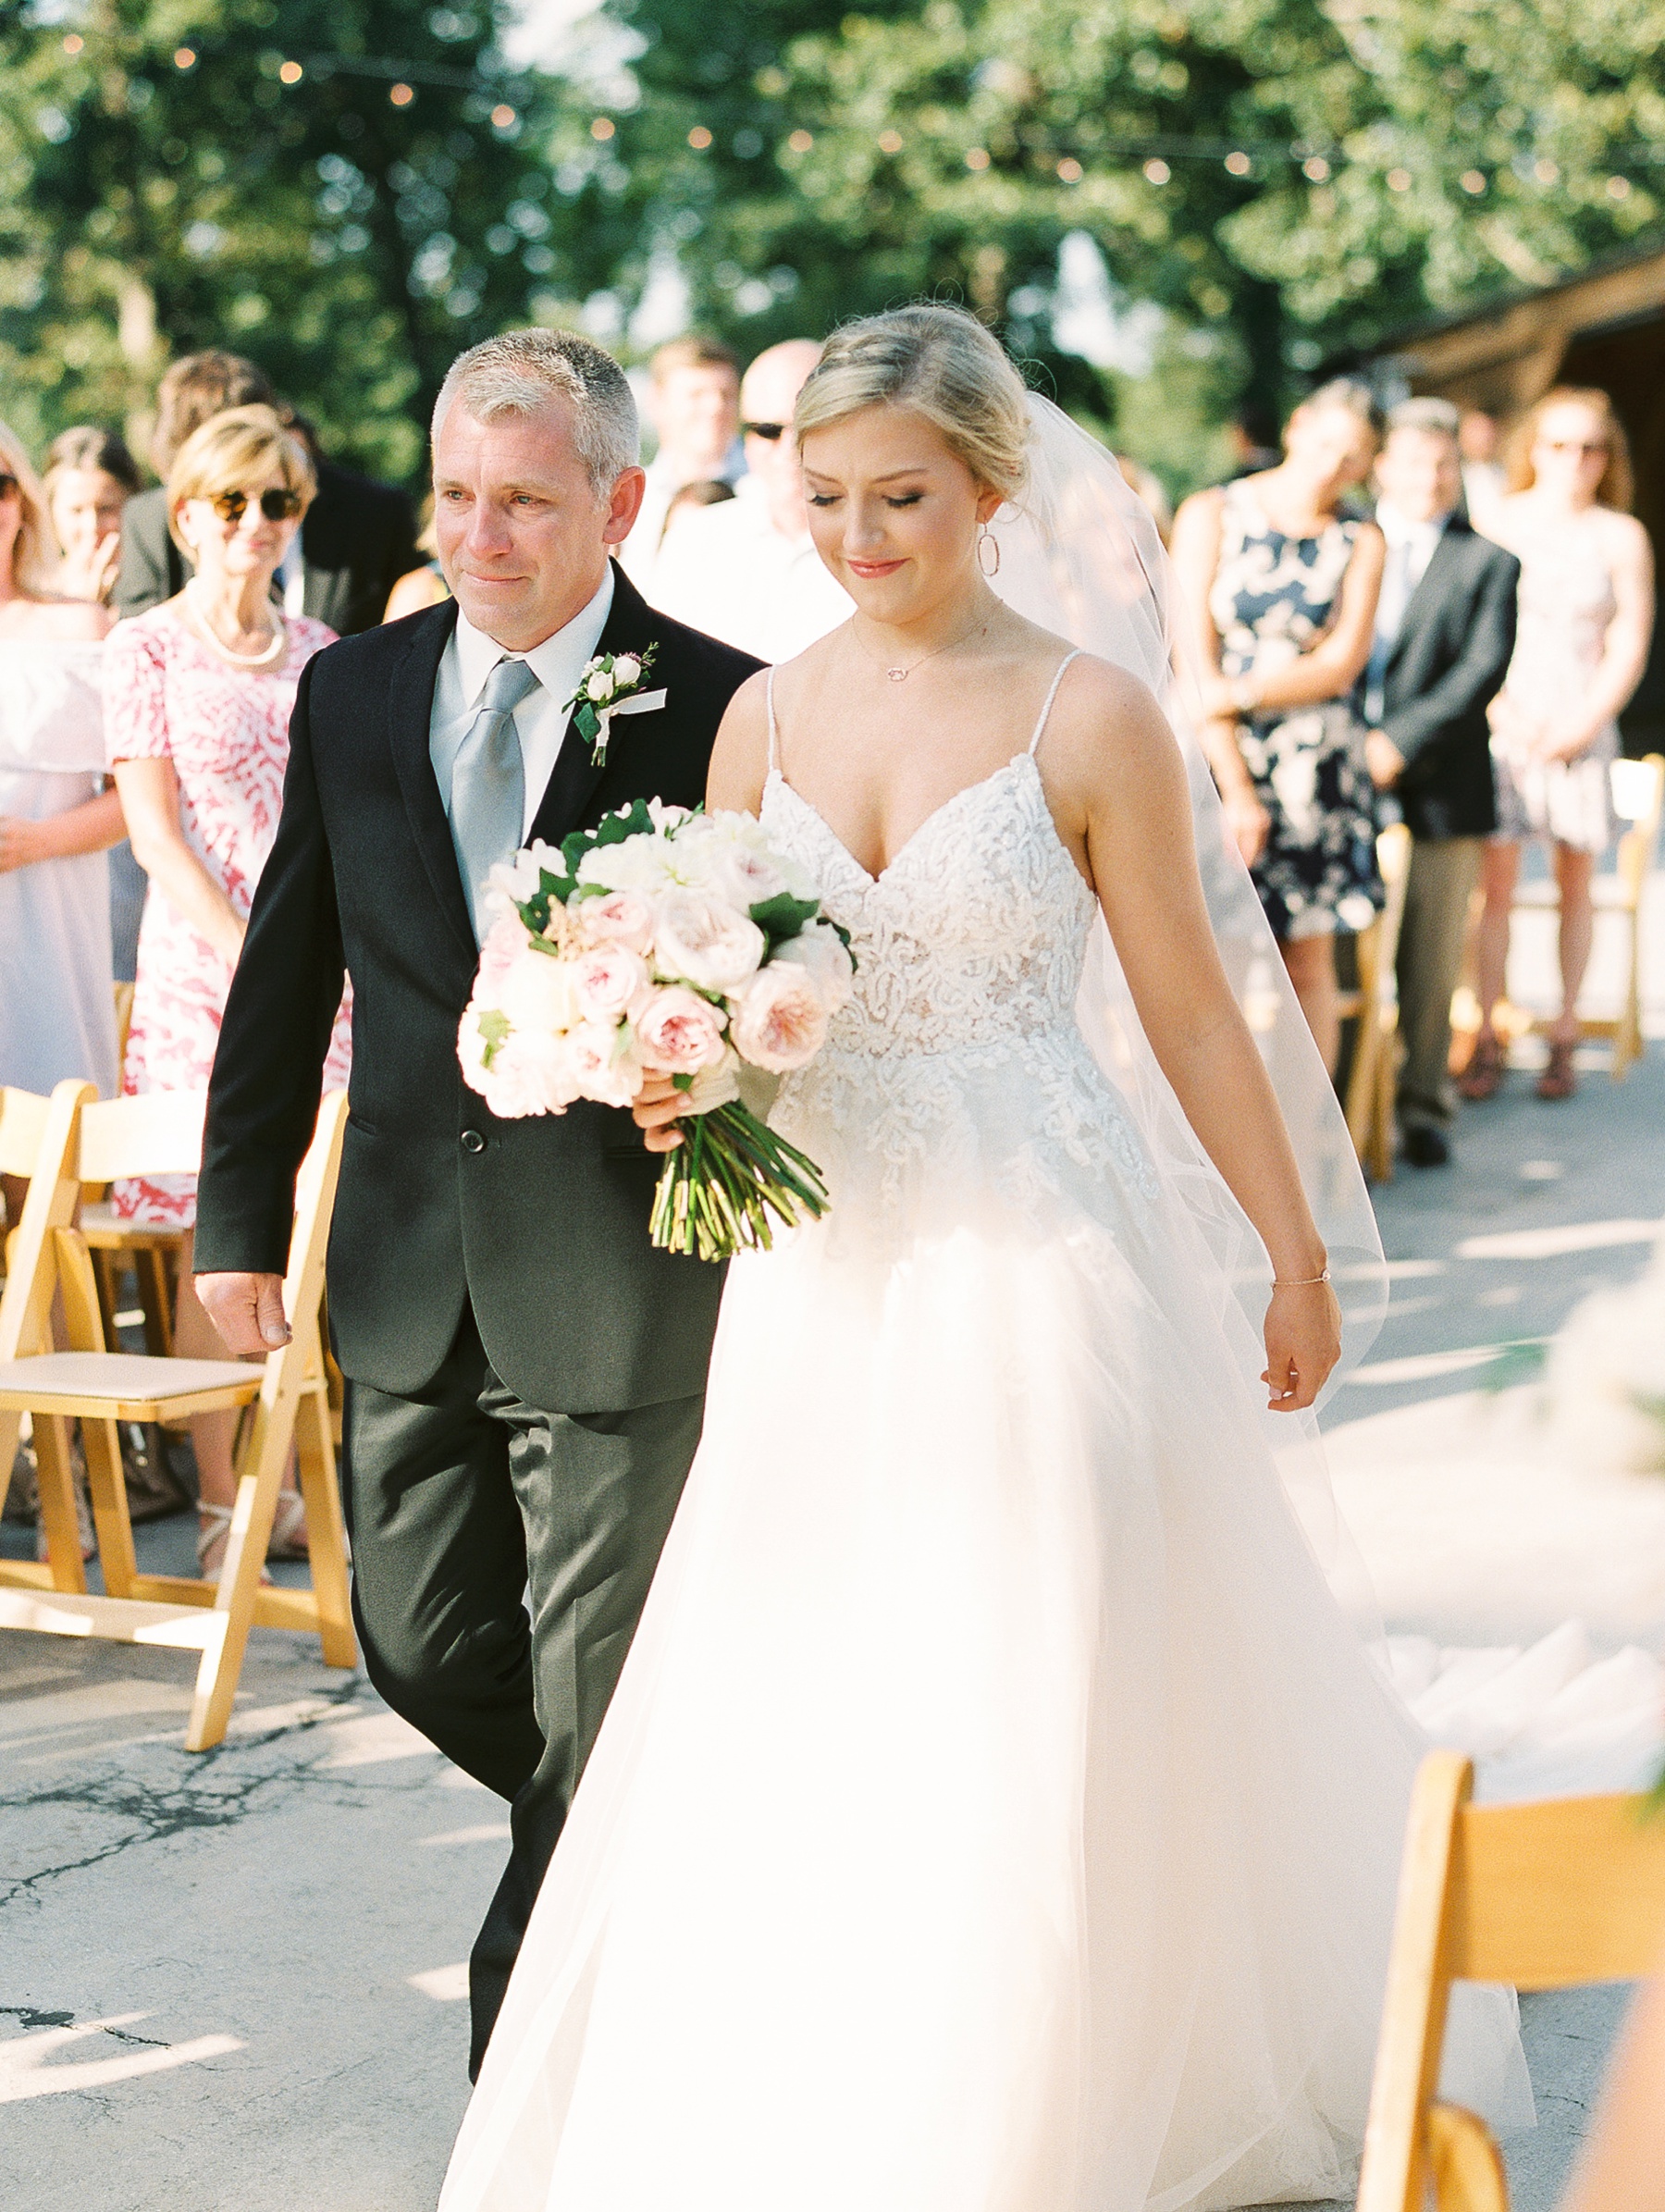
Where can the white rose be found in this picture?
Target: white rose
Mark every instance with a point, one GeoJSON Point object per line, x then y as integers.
{"type": "Point", "coordinates": [628, 670]}
{"type": "Point", "coordinates": [536, 993]}
{"type": "Point", "coordinates": [634, 864]}
{"type": "Point", "coordinates": [746, 877]}
{"type": "Point", "coordinates": [667, 817]}
{"type": "Point", "coordinates": [782, 1020]}
{"type": "Point", "coordinates": [602, 1064]}
{"type": "Point", "coordinates": [705, 941]}
{"type": "Point", "coordinates": [821, 950]}
{"type": "Point", "coordinates": [598, 686]}
{"type": "Point", "coordinates": [529, 1074]}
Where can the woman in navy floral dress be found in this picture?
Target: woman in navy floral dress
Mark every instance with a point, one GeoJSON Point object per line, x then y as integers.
{"type": "Point", "coordinates": [1283, 587]}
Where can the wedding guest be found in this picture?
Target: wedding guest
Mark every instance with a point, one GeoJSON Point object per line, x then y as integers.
{"type": "Point", "coordinates": [194, 389]}
{"type": "Point", "coordinates": [89, 478]}
{"type": "Point", "coordinates": [1587, 604]}
{"type": "Point", "coordinates": [198, 695]}
{"type": "Point", "coordinates": [424, 586]}
{"type": "Point", "coordinates": [1445, 628]}
{"type": "Point", "coordinates": [1252, 435]}
{"type": "Point", "coordinates": [693, 402]}
{"type": "Point", "coordinates": [153, 568]}
{"type": "Point", "coordinates": [58, 819]}
{"type": "Point", "coordinates": [1282, 584]}
{"type": "Point", "coordinates": [358, 540]}
{"type": "Point", "coordinates": [705, 491]}
{"type": "Point", "coordinates": [1484, 478]}
{"type": "Point", "coordinates": [748, 571]}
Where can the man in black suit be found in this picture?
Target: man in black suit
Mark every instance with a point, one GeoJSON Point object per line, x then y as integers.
{"type": "Point", "coordinates": [1445, 631]}
{"type": "Point", "coordinates": [525, 1374]}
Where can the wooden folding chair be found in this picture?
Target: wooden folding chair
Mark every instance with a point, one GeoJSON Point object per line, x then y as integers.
{"type": "Point", "coordinates": [1546, 1896]}
{"type": "Point", "coordinates": [1374, 1007]}
{"type": "Point", "coordinates": [81, 1140]}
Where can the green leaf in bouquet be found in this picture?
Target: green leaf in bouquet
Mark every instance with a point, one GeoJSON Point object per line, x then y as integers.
{"type": "Point", "coordinates": [632, 820]}
{"type": "Point", "coordinates": [782, 917]}
{"type": "Point", "coordinates": [494, 1028]}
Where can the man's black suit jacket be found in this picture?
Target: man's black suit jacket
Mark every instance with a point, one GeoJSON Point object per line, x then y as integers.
{"type": "Point", "coordinates": [1447, 665]}
{"type": "Point", "coordinates": [358, 540]}
{"type": "Point", "coordinates": [542, 1224]}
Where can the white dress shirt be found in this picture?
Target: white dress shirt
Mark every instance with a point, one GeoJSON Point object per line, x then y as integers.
{"type": "Point", "coordinates": [638, 556]}
{"type": "Point", "coordinates": [727, 571]}
{"type": "Point", "coordinates": [1411, 546]}
{"type": "Point", "coordinates": [540, 721]}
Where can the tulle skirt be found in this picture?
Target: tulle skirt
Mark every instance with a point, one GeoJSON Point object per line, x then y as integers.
{"type": "Point", "coordinates": [996, 1813]}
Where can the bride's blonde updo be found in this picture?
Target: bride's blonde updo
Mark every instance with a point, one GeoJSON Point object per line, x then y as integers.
{"type": "Point", "coordinates": [942, 363]}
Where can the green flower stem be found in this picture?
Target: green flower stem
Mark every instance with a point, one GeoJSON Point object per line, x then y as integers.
{"type": "Point", "coordinates": [719, 1188]}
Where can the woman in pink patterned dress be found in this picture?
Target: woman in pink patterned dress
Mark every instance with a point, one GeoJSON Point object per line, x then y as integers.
{"type": "Point", "coordinates": [198, 694]}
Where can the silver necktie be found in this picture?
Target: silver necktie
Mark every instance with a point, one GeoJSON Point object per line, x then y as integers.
{"type": "Point", "coordinates": [488, 785]}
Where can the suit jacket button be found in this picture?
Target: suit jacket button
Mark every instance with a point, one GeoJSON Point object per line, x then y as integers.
{"type": "Point", "coordinates": [472, 1140]}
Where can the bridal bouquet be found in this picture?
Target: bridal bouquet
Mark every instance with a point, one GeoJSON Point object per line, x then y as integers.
{"type": "Point", "coordinates": [672, 942]}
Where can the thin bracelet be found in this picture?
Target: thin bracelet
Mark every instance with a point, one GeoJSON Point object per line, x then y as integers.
{"type": "Point", "coordinates": [1304, 1282]}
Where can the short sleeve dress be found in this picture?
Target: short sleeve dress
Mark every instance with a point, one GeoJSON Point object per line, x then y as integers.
{"type": "Point", "coordinates": [226, 730]}
{"type": "Point", "coordinates": [57, 1008]}
{"type": "Point", "coordinates": [1273, 597]}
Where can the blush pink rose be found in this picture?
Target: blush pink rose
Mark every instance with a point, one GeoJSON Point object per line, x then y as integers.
{"type": "Point", "coordinates": [505, 941]}
{"type": "Point", "coordinates": [602, 1064]}
{"type": "Point", "coordinates": [707, 941]}
{"type": "Point", "coordinates": [678, 1031]}
{"type": "Point", "coordinates": [608, 981]}
{"type": "Point", "coordinates": [782, 1018]}
{"type": "Point", "coordinates": [621, 917]}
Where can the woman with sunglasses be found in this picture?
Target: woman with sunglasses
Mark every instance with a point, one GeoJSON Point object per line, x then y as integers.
{"type": "Point", "coordinates": [198, 695]}
{"type": "Point", "coordinates": [1586, 620]}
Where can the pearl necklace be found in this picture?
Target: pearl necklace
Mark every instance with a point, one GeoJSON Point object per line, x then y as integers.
{"type": "Point", "coordinates": [262, 659]}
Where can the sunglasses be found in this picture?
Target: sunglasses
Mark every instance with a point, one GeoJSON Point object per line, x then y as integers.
{"type": "Point", "coordinates": [9, 486]}
{"type": "Point", "coordinates": [277, 506]}
{"type": "Point", "coordinates": [771, 431]}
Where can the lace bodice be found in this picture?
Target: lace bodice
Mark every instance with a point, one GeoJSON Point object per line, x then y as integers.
{"type": "Point", "coordinates": [958, 1065]}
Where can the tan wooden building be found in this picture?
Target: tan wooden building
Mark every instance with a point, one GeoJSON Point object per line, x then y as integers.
{"type": "Point", "coordinates": [1605, 328]}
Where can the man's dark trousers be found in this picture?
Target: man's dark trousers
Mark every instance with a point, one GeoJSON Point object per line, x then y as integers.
{"type": "Point", "coordinates": [455, 1497]}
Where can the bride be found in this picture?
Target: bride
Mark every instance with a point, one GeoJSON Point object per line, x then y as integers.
{"type": "Point", "coordinates": [996, 1812]}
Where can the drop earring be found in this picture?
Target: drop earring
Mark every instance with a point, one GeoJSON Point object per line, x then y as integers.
{"type": "Point", "coordinates": [985, 542]}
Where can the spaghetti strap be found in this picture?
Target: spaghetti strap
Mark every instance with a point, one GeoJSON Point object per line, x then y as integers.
{"type": "Point", "coordinates": [1048, 709]}
{"type": "Point", "coordinates": [775, 761]}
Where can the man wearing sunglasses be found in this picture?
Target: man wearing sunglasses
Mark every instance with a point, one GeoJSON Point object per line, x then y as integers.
{"type": "Point", "coordinates": [747, 572]}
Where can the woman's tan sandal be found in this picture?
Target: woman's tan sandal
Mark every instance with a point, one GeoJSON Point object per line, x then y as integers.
{"type": "Point", "coordinates": [1560, 1079]}
{"type": "Point", "coordinates": [289, 1539]}
{"type": "Point", "coordinates": [214, 1532]}
{"type": "Point", "coordinates": [1484, 1073]}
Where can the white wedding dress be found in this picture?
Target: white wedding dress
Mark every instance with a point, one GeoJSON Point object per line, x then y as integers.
{"type": "Point", "coordinates": [996, 1813]}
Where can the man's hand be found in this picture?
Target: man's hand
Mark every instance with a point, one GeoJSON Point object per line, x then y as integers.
{"type": "Point", "coordinates": [1384, 759]}
{"type": "Point", "coordinates": [247, 1310]}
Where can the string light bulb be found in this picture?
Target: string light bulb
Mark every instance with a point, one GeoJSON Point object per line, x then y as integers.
{"type": "Point", "coordinates": [1070, 170]}
{"type": "Point", "coordinates": [503, 117]}
{"type": "Point", "coordinates": [1399, 181]}
{"type": "Point", "coordinates": [977, 157]}
{"type": "Point", "coordinates": [1239, 163]}
{"type": "Point", "coordinates": [1158, 172]}
{"type": "Point", "coordinates": [401, 94]}
{"type": "Point", "coordinates": [184, 57]}
{"type": "Point", "coordinates": [74, 42]}
{"type": "Point", "coordinates": [1473, 182]}
{"type": "Point", "coordinates": [801, 141]}
{"type": "Point", "coordinates": [700, 138]}
{"type": "Point", "coordinates": [602, 127]}
{"type": "Point", "coordinates": [290, 73]}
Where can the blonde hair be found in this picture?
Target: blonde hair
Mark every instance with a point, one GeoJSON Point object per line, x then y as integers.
{"type": "Point", "coordinates": [229, 448]}
{"type": "Point", "coordinates": [942, 363]}
{"type": "Point", "coordinates": [1617, 488]}
{"type": "Point", "coordinates": [32, 557]}
{"type": "Point", "coordinates": [521, 371]}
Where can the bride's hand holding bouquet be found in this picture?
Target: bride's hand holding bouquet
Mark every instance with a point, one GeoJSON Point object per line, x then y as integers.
{"type": "Point", "coordinates": [642, 964]}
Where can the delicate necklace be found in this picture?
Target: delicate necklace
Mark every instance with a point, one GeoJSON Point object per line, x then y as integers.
{"type": "Point", "coordinates": [268, 653]}
{"type": "Point", "coordinates": [900, 676]}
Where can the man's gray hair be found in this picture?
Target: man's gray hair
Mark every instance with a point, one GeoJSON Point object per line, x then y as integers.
{"type": "Point", "coordinates": [522, 370]}
{"type": "Point", "coordinates": [1434, 418]}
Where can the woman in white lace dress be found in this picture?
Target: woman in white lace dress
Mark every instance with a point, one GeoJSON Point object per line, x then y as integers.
{"type": "Point", "coordinates": [996, 1813]}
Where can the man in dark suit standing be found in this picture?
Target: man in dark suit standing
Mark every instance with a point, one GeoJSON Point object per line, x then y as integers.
{"type": "Point", "coordinates": [1444, 631]}
{"type": "Point", "coordinates": [525, 1374]}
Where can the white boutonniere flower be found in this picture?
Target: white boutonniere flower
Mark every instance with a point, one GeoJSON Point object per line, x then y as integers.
{"type": "Point", "coordinates": [610, 684]}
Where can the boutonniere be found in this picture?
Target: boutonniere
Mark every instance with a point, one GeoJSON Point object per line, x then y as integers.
{"type": "Point", "coordinates": [611, 684]}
